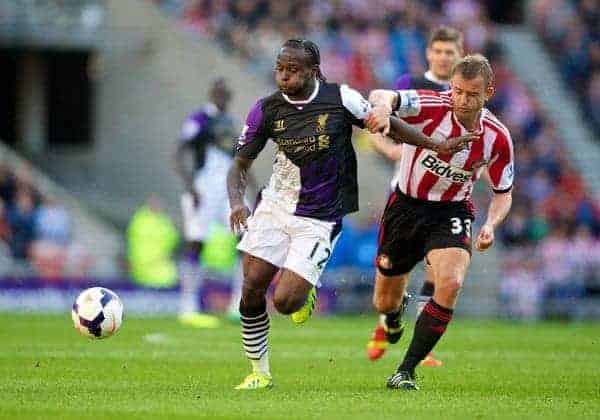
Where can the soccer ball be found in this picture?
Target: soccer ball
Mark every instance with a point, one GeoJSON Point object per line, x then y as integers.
{"type": "Point", "coordinates": [97, 312]}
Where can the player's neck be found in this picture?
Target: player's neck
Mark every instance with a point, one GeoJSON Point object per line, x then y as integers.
{"type": "Point", "coordinates": [472, 123]}
{"type": "Point", "coordinates": [432, 77]}
{"type": "Point", "coordinates": [305, 93]}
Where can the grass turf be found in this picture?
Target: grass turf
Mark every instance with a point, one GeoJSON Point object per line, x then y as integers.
{"type": "Point", "coordinates": [155, 368]}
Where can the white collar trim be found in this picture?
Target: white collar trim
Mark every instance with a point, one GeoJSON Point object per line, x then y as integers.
{"type": "Point", "coordinates": [306, 101]}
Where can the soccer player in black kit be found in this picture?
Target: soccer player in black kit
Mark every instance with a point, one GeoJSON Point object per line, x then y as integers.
{"type": "Point", "coordinates": [444, 48]}
{"type": "Point", "coordinates": [314, 184]}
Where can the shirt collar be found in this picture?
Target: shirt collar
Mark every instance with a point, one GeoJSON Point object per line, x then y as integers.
{"type": "Point", "coordinates": [306, 101]}
{"type": "Point", "coordinates": [431, 77]}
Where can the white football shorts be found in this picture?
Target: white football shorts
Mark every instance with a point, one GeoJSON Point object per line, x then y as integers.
{"type": "Point", "coordinates": [300, 244]}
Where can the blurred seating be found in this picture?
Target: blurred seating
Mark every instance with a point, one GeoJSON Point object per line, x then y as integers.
{"type": "Point", "coordinates": [571, 31]}
{"type": "Point", "coordinates": [35, 231]}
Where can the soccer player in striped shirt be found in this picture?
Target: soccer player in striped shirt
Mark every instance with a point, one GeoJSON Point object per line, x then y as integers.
{"type": "Point", "coordinates": [431, 213]}
{"type": "Point", "coordinates": [444, 48]}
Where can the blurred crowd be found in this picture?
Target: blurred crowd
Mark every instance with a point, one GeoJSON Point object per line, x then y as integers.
{"type": "Point", "coordinates": [35, 230]}
{"type": "Point", "coordinates": [551, 237]}
{"type": "Point", "coordinates": [571, 31]}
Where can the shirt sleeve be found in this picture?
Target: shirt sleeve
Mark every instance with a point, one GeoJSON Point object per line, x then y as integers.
{"type": "Point", "coordinates": [253, 137]}
{"type": "Point", "coordinates": [502, 166]}
{"type": "Point", "coordinates": [356, 105]}
{"type": "Point", "coordinates": [417, 106]}
{"type": "Point", "coordinates": [194, 127]}
{"type": "Point", "coordinates": [403, 82]}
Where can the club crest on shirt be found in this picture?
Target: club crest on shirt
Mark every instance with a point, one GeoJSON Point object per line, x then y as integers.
{"type": "Point", "coordinates": [322, 122]}
{"type": "Point", "coordinates": [279, 125]}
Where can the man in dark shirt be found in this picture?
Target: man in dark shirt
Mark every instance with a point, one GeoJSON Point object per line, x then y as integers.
{"type": "Point", "coordinates": [207, 141]}
{"type": "Point", "coordinates": [314, 184]}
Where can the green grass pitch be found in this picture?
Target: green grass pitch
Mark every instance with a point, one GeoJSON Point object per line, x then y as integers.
{"type": "Point", "coordinates": [155, 368]}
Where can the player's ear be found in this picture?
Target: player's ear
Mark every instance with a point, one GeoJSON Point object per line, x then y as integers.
{"type": "Point", "coordinates": [489, 92]}
{"type": "Point", "coordinates": [428, 54]}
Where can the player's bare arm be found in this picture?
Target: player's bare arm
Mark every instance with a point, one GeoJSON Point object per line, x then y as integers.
{"type": "Point", "coordinates": [237, 181]}
{"type": "Point", "coordinates": [401, 132]}
{"type": "Point", "coordinates": [185, 172]}
{"type": "Point", "coordinates": [381, 120]}
{"type": "Point", "coordinates": [499, 208]}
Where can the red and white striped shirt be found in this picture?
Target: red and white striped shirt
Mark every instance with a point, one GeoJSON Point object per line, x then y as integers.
{"type": "Point", "coordinates": [425, 175]}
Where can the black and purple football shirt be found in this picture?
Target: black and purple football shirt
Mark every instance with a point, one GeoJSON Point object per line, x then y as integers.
{"type": "Point", "coordinates": [314, 173]}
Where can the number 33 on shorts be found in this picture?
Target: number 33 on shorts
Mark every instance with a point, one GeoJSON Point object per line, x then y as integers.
{"type": "Point", "coordinates": [459, 226]}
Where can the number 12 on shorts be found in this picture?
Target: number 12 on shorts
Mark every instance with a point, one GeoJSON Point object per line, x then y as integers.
{"type": "Point", "coordinates": [323, 255]}
{"type": "Point", "coordinates": [460, 226]}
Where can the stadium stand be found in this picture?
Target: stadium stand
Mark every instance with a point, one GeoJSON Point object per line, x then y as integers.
{"type": "Point", "coordinates": [369, 47]}
{"type": "Point", "coordinates": [571, 31]}
{"type": "Point", "coordinates": [35, 230]}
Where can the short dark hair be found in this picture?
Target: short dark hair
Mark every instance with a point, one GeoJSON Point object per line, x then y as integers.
{"type": "Point", "coordinates": [311, 49]}
{"type": "Point", "coordinates": [472, 66]}
{"type": "Point", "coordinates": [446, 34]}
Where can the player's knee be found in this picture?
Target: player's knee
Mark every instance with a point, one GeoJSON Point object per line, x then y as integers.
{"type": "Point", "coordinates": [288, 303]}
{"type": "Point", "coordinates": [449, 285]}
{"type": "Point", "coordinates": [252, 300]}
{"type": "Point", "coordinates": [385, 304]}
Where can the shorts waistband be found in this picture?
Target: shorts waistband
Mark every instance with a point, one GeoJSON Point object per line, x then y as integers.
{"type": "Point", "coordinates": [433, 204]}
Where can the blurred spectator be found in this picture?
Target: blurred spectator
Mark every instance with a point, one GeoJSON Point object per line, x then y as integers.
{"type": "Point", "coordinates": [4, 226]}
{"type": "Point", "coordinates": [21, 218]}
{"type": "Point", "coordinates": [571, 30]}
{"type": "Point", "coordinates": [7, 184]}
{"type": "Point", "coordinates": [152, 239]}
{"type": "Point", "coordinates": [49, 250]}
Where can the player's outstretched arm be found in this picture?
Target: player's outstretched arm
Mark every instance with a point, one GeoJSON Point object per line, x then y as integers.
{"type": "Point", "coordinates": [237, 180]}
{"type": "Point", "coordinates": [401, 132]}
{"type": "Point", "coordinates": [499, 208]}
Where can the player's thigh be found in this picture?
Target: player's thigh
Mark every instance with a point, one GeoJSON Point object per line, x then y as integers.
{"type": "Point", "coordinates": [195, 229]}
{"type": "Point", "coordinates": [449, 267]}
{"type": "Point", "coordinates": [400, 247]}
{"type": "Point", "coordinates": [258, 273]}
{"type": "Point", "coordinates": [448, 241]}
{"type": "Point", "coordinates": [311, 245]}
{"type": "Point", "coordinates": [388, 291]}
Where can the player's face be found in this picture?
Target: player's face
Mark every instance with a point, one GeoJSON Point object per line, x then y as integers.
{"type": "Point", "coordinates": [220, 97]}
{"type": "Point", "coordinates": [292, 73]}
{"type": "Point", "coordinates": [469, 96]}
{"type": "Point", "coordinates": [441, 56]}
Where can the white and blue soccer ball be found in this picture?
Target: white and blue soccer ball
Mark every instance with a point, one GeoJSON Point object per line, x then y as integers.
{"type": "Point", "coordinates": [97, 312]}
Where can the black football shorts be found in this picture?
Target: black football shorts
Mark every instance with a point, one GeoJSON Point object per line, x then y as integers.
{"type": "Point", "coordinates": [410, 228]}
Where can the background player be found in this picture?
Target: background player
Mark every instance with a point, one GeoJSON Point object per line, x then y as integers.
{"type": "Point", "coordinates": [444, 48]}
{"type": "Point", "coordinates": [430, 214]}
{"type": "Point", "coordinates": [314, 184]}
{"type": "Point", "coordinates": [207, 138]}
